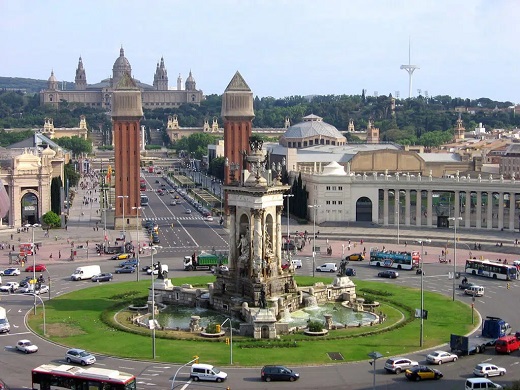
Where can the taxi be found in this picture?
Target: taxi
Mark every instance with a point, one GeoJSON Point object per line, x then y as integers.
{"type": "Point", "coordinates": [422, 372]}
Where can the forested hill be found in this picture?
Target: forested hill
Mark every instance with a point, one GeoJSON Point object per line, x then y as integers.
{"type": "Point", "coordinates": [29, 85]}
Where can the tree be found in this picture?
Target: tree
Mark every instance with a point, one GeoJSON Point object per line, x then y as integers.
{"type": "Point", "coordinates": [51, 219]}
{"type": "Point", "coordinates": [71, 175]}
{"type": "Point", "coordinates": [75, 144]}
{"type": "Point", "coordinates": [216, 167]}
{"type": "Point", "coordinates": [56, 185]}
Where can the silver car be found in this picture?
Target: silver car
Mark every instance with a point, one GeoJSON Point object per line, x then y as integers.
{"type": "Point", "coordinates": [439, 357]}
{"type": "Point", "coordinates": [79, 356]}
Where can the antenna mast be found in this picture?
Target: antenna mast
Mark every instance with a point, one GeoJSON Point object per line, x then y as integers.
{"type": "Point", "coordinates": [409, 68]}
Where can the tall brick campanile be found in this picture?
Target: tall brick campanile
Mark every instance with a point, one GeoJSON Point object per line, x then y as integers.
{"type": "Point", "coordinates": [238, 113]}
{"type": "Point", "coordinates": [127, 112]}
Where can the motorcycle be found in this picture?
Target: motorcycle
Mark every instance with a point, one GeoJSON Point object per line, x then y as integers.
{"type": "Point", "coordinates": [419, 271]}
{"type": "Point", "coordinates": [443, 260]}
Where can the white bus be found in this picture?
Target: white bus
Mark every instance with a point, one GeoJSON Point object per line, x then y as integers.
{"type": "Point", "coordinates": [491, 269]}
{"type": "Point", "coordinates": [144, 200]}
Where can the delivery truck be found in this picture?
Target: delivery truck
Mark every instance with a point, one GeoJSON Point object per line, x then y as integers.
{"type": "Point", "coordinates": [85, 272]}
{"type": "Point", "coordinates": [492, 329]}
{"type": "Point", "coordinates": [204, 261]}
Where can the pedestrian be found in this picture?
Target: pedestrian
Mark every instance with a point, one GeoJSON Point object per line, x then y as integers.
{"type": "Point", "coordinates": [50, 256]}
{"type": "Point", "coordinates": [59, 254]}
{"type": "Point", "coordinates": [11, 236]}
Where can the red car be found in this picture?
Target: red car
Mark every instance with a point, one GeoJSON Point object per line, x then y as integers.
{"type": "Point", "coordinates": [37, 268]}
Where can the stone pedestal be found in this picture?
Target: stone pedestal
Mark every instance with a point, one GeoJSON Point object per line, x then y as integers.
{"type": "Point", "coordinates": [162, 284]}
{"type": "Point", "coordinates": [264, 324]}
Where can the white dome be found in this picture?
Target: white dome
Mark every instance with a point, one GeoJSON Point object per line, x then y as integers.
{"type": "Point", "coordinates": [334, 169]}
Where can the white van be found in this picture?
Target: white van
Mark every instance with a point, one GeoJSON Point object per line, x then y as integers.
{"type": "Point", "coordinates": [327, 267]}
{"type": "Point", "coordinates": [476, 291]}
{"type": "Point", "coordinates": [85, 272]}
{"type": "Point", "coordinates": [481, 383]}
{"type": "Point", "coordinates": [296, 263]}
{"type": "Point", "coordinates": [207, 372]}
{"type": "Point", "coordinates": [5, 327]}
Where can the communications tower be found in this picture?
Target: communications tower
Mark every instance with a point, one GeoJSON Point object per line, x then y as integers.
{"type": "Point", "coordinates": [410, 69]}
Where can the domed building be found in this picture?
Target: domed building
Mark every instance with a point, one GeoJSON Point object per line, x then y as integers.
{"type": "Point", "coordinates": [99, 95]}
{"type": "Point", "coordinates": [312, 131]}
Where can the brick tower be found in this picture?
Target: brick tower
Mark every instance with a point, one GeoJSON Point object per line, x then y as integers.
{"type": "Point", "coordinates": [238, 113]}
{"type": "Point", "coordinates": [127, 112]}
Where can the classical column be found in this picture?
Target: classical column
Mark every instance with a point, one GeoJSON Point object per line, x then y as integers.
{"type": "Point", "coordinates": [489, 216]}
{"type": "Point", "coordinates": [385, 207]}
{"type": "Point", "coordinates": [233, 235]}
{"type": "Point", "coordinates": [512, 203]}
{"type": "Point", "coordinates": [429, 217]}
{"type": "Point", "coordinates": [257, 235]}
{"type": "Point", "coordinates": [456, 206]}
{"type": "Point", "coordinates": [500, 210]}
{"type": "Point", "coordinates": [407, 208]}
{"type": "Point", "coordinates": [418, 208]}
{"type": "Point", "coordinates": [467, 210]}
{"type": "Point", "coordinates": [278, 242]}
{"type": "Point", "coordinates": [479, 210]}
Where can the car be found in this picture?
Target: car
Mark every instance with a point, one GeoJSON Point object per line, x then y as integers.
{"type": "Point", "coordinates": [37, 268]}
{"type": "Point", "coordinates": [147, 267]}
{"type": "Point", "coordinates": [327, 267]}
{"type": "Point", "coordinates": [466, 285]}
{"type": "Point", "coordinates": [103, 277]}
{"type": "Point", "coordinates": [397, 365]}
{"type": "Point", "coordinates": [42, 290]}
{"type": "Point", "coordinates": [355, 257]}
{"type": "Point", "coordinates": [188, 211]}
{"type": "Point", "coordinates": [125, 270]}
{"type": "Point", "coordinates": [9, 287]}
{"type": "Point", "coordinates": [388, 274]}
{"type": "Point", "coordinates": [161, 193]}
{"type": "Point", "coordinates": [173, 202]}
{"type": "Point", "coordinates": [120, 256]}
{"type": "Point", "coordinates": [208, 218]}
{"type": "Point", "coordinates": [155, 239]}
{"type": "Point", "coordinates": [488, 369]}
{"type": "Point", "coordinates": [350, 272]}
{"type": "Point", "coordinates": [79, 356]}
{"type": "Point", "coordinates": [475, 291]}
{"type": "Point", "coordinates": [422, 372]}
{"type": "Point", "coordinates": [439, 357]}
{"type": "Point", "coordinates": [157, 181]}
{"type": "Point", "coordinates": [132, 262]}
{"type": "Point", "coordinates": [278, 373]}
{"type": "Point", "coordinates": [26, 289]}
{"type": "Point", "coordinates": [297, 263]}
{"type": "Point", "coordinates": [26, 346]}
{"type": "Point", "coordinates": [10, 272]}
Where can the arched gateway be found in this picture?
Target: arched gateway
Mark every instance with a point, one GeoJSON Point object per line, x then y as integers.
{"type": "Point", "coordinates": [364, 210]}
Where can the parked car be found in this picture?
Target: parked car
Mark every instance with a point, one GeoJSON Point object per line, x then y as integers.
{"type": "Point", "coordinates": [120, 256]}
{"type": "Point", "coordinates": [26, 346]}
{"type": "Point", "coordinates": [399, 364]}
{"type": "Point", "coordinates": [422, 372]}
{"type": "Point", "coordinates": [355, 257]}
{"type": "Point", "coordinates": [488, 369]}
{"type": "Point", "coordinates": [125, 270]}
{"type": "Point", "coordinates": [327, 267]}
{"type": "Point", "coordinates": [388, 274]}
{"type": "Point", "coordinates": [10, 272]}
{"type": "Point", "coordinates": [439, 357]}
{"type": "Point", "coordinates": [9, 287]}
{"type": "Point", "coordinates": [278, 373]}
{"type": "Point", "coordinates": [79, 356]}
{"type": "Point", "coordinates": [103, 277]}
{"type": "Point", "coordinates": [350, 272]}
{"type": "Point", "coordinates": [37, 268]}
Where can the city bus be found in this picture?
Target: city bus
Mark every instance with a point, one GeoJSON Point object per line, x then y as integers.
{"type": "Point", "coordinates": [64, 376]}
{"type": "Point", "coordinates": [144, 200]}
{"type": "Point", "coordinates": [491, 269]}
{"type": "Point", "coordinates": [142, 184]}
{"type": "Point", "coordinates": [394, 259]}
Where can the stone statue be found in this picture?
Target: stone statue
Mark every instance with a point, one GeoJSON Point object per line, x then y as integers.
{"type": "Point", "coordinates": [268, 243]}
{"type": "Point", "coordinates": [160, 274]}
{"type": "Point", "coordinates": [262, 301]}
{"type": "Point", "coordinates": [243, 246]}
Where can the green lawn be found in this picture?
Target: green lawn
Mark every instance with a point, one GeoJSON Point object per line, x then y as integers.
{"type": "Point", "coordinates": [81, 318]}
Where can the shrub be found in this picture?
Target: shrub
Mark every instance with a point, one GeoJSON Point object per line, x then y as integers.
{"type": "Point", "coordinates": [315, 326]}
{"type": "Point", "coordinates": [51, 219]}
{"type": "Point", "coordinates": [211, 328]}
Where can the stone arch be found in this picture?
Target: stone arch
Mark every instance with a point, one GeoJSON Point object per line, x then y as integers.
{"type": "Point", "coordinates": [29, 208]}
{"type": "Point", "coordinates": [265, 331]}
{"type": "Point", "coordinates": [364, 209]}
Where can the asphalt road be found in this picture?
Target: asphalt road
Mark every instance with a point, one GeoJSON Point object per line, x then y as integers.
{"type": "Point", "coordinates": [191, 232]}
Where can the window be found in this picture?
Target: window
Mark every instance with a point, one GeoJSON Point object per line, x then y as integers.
{"type": "Point", "coordinates": [340, 202]}
{"type": "Point", "coordinates": [340, 188]}
{"type": "Point", "coordinates": [327, 202]}
{"type": "Point", "coordinates": [333, 202]}
{"type": "Point", "coordinates": [328, 188]}
{"type": "Point", "coordinates": [333, 188]}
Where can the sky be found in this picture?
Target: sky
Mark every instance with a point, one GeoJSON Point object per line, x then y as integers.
{"type": "Point", "coordinates": [464, 48]}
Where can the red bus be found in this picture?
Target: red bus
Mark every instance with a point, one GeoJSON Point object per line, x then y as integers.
{"type": "Point", "coordinates": [73, 377]}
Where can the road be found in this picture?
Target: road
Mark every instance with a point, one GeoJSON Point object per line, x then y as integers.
{"type": "Point", "coordinates": [190, 230]}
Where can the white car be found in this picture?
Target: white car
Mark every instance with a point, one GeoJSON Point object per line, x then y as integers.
{"type": "Point", "coordinates": [26, 346]}
{"type": "Point", "coordinates": [209, 218]}
{"type": "Point", "coordinates": [488, 369]}
{"type": "Point", "coordinates": [10, 272]}
{"type": "Point", "coordinates": [9, 287]}
{"type": "Point", "coordinates": [43, 289]}
{"type": "Point", "coordinates": [439, 357]}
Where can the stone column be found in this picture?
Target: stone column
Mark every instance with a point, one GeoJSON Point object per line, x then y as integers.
{"type": "Point", "coordinates": [479, 210]}
{"type": "Point", "coordinates": [233, 235]}
{"type": "Point", "coordinates": [512, 204]}
{"type": "Point", "coordinates": [429, 217]}
{"type": "Point", "coordinates": [407, 208]}
{"type": "Point", "coordinates": [489, 217]}
{"type": "Point", "coordinates": [257, 236]}
{"type": "Point", "coordinates": [278, 241]}
{"type": "Point", "coordinates": [456, 205]}
{"type": "Point", "coordinates": [467, 210]}
{"type": "Point", "coordinates": [500, 210]}
{"type": "Point", "coordinates": [418, 208]}
{"type": "Point", "coordinates": [385, 207]}
{"type": "Point", "coordinates": [397, 207]}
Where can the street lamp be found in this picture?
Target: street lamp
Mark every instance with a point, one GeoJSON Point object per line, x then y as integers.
{"type": "Point", "coordinates": [454, 219]}
{"type": "Point", "coordinates": [315, 208]}
{"type": "Point", "coordinates": [422, 241]}
{"type": "Point", "coordinates": [124, 222]}
{"type": "Point", "coordinates": [288, 196]}
{"type": "Point", "coordinates": [374, 356]}
{"type": "Point", "coordinates": [230, 339]}
{"type": "Point", "coordinates": [34, 268]}
{"type": "Point", "coordinates": [397, 214]}
{"type": "Point", "coordinates": [138, 243]}
{"type": "Point", "coordinates": [43, 306]}
{"type": "Point", "coordinates": [152, 322]}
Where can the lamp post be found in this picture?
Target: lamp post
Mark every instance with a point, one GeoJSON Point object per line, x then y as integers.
{"type": "Point", "coordinates": [397, 214]}
{"type": "Point", "coordinates": [374, 356]}
{"type": "Point", "coordinates": [421, 336]}
{"type": "Point", "coordinates": [43, 306]}
{"type": "Point", "coordinates": [34, 268]}
{"type": "Point", "coordinates": [288, 196]}
{"type": "Point", "coordinates": [138, 243]}
{"type": "Point", "coordinates": [124, 222]}
{"type": "Point", "coordinates": [152, 326]}
{"type": "Point", "coordinates": [315, 208]}
{"type": "Point", "coordinates": [230, 339]}
{"type": "Point", "coordinates": [454, 219]}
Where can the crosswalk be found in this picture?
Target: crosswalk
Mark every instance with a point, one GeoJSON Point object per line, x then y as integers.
{"type": "Point", "coordinates": [180, 218]}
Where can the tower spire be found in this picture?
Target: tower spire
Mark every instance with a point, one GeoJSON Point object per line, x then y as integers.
{"type": "Point", "coordinates": [410, 68]}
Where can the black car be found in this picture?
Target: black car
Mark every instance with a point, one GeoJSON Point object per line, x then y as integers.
{"type": "Point", "coordinates": [147, 267]}
{"type": "Point", "coordinates": [278, 373]}
{"type": "Point", "coordinates": [388, 274]}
